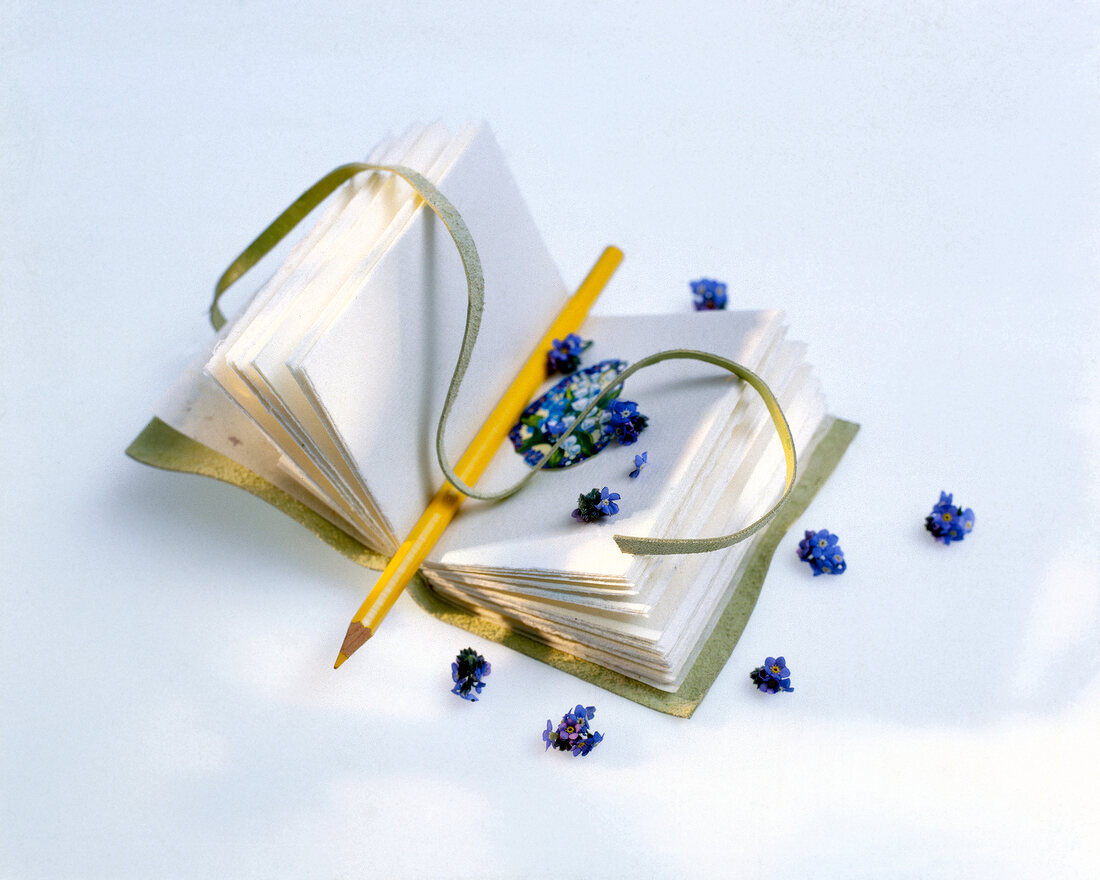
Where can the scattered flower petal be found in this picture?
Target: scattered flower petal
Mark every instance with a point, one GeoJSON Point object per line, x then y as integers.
{"type": "Point", "coordinates": [639, 464]}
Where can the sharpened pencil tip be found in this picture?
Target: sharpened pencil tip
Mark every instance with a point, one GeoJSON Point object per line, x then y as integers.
{"type": "Point", "coordinates": [358, 632]}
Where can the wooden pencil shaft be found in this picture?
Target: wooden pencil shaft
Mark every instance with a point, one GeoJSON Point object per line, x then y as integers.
{"type": "Point", "coordinates": [447, 500]}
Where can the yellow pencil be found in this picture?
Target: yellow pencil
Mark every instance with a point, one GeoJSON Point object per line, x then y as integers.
{"type": "Point", "coordinates": [442, 508]}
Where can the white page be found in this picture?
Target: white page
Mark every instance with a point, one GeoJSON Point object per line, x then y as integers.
{"type": "Point", "coordinates": [267, 372]}
{"type": "Point", "coordinates": [379, 373]}
{"type": "Point", "coordinates": [533, 530]}
{"type": "Point", "coordinates": [724, 447]}
{"type": "Point", "coordinates": [334, 251]}
{"type": "Point", "coordinates": [356, 243]}
{"type": "Point", "coordinates": [305, 259]}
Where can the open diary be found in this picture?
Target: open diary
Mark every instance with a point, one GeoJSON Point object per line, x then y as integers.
{"type": "Point", "coordinates": [322, 396]}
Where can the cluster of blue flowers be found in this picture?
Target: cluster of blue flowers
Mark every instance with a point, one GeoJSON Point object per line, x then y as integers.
{"type": "Point", "coordinates": [709, 295]}
{"type": "Point", "coordinates": [468, 671]}
{"type": "Point", "coordinates": [596, 504]}
{"type": "Point", "coordinates": [949, 522]}
{"type": "Point", "coordinates": [773, 676]}
{"type": "Point", "coordinates": [564, 355]}
{"type": "Point", "coordinates": [822, 552]}
{"type": "Point", "coordinates": [626, 421]}
{"type": "Point", "coordinates": [573, 733]}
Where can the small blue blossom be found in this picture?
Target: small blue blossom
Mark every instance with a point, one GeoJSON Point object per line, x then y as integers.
{"type": "Point", "coordinates": [607, 502]}
{"type": "Point", "coordinates": [822, 552]}
{"type": "Point", "coordinates": [777, 667]}
{"type": "Point", "coordinates": [584, 746]}
{"type": "Point", "coordinates": [622, 411]}
{"type": "Point", "coordinates": [564, 355]}
{"type": "Point", "coordinates": [639, 464]}
{"type": "Point", "coordinates": [573, 733]}
{"type": "Point", "coordinates": [948, 522]}
{"type": "Point", "coordinates": [626, 421]}
{"type": "Point", "coordinates": [598, 503]}
{"type": "Point", "coordinates": [467, 672]}
{"type": "Point", "coordinates": [708, 295]}
{"type": "Point", "coordinates": [773, 676]}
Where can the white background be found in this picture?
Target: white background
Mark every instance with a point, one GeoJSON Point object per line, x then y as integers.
{"type": "Point", "coordinates": [916, 184]}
